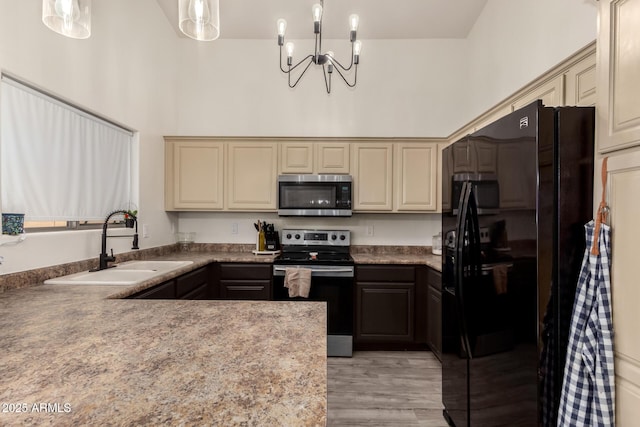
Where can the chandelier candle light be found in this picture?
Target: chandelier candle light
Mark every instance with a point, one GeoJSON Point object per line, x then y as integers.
{"type": "Point", "coordinates": [327, 60]}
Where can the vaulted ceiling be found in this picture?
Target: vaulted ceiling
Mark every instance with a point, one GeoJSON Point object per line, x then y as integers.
{"type": "Point", "coordinates": [379, 19]}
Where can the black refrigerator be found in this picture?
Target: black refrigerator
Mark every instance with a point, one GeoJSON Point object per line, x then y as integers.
{"type": "Point", "coordinates": [516, 196]}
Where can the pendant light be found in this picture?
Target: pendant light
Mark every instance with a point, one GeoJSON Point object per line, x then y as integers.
{"type": "Point", "coordinates": [71, 18]}
{"type": "Point", "coordinates": [199, 19]}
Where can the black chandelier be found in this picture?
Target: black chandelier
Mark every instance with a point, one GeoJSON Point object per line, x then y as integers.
{"type": "Point", "coordinates": [327, 60]}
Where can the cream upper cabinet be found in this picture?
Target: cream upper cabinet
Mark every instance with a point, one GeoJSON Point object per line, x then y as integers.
{"type": "Point", "coordinates": [194, 171]}
{"type": "Point", "coordinates": [296, 157]}
{"type": "Point", "coordinates": [618, 127]}
{"type": "Point", "coordinates": [415, 181]}
{"type": "Point", "coordinates": [501, 112]}
{"type": "Point", "coordinates": [551, 93]}
{"type": "Point", "coordinates": [252, 169]}
{"type": "Point", "coordinates": [446, 166]}
{"type": "Point", "coordinates": [618, 109]}
{"type": "Point", "coordinates": [372, 169]}
{"type": "Point", "coordinates": [332, 157]}
{"type": "Point", "coordinates": [580, 83]}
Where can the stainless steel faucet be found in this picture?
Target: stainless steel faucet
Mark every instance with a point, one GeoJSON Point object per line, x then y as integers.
{"type": "Point", "coordinates": [105, 258]}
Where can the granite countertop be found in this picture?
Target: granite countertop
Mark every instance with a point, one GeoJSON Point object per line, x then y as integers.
{"type": "Point", "coordinates": [72, 356]}
{"type": "Point", "coordinates": [414, 255]}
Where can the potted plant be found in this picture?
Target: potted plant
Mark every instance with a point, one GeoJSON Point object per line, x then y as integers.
{"type": "Point", "coordinates": [12, 223]}
{"type": "Point", "coordinates": [130, 218]}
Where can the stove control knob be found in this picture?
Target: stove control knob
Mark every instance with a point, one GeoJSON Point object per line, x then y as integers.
{"type": "Point", "coordinates": [288, 236]}
{"type": "Point", "coordinates": [342, 237]}
{"type": "Point", "coordinates": [297, 236]}
{"type": "Point", "coordinates": [334, 237]}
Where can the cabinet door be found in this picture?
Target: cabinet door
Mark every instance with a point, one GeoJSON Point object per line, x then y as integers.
{"type": "Point", "coordinates": [618, 56]}
{"type": "Point", "coordinates": [372, 165]}
{"type": "Point", "coordinates": [194, 175]}
{"type": "Point", "coordinates": [434, 310]}
{"type": "Point", "coordinates": [551, 93]}
{"type": "Point", "coordinates": [385, 312]}
{"type": "Point", "coordinates": [580, 83]}
{"type": "Point", "coordinates": [296, 157]}
{"type": "Point", "coordinates": [415, 176]}
{"type": "Point", "coordinates": [503, 111]}
{"type": "Point", "coordinates": [445, 177]}
{"type": "Point", "coordinates": [198, 280]}
{"type": "Point", "coordinates": [332, 157]}
{"type": "Point", "coordinates": [624, 182]}
{"type": "Point", "coordinates": [252, 170]}
{"type": "Point", "coordinates": [165, 290]}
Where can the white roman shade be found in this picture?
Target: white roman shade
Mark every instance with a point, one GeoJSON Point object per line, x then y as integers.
{"type": "Point", "coordinates": [57, 162]}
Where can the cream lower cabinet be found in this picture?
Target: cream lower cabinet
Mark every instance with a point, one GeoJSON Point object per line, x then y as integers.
{"type": "Point", "coordinates": [252, 170]}
{"type": "Point", "coordinates": [618, 129]}
{"type": "Point", "coordinates": [415, 180]}
{"type": "Point", "coordinates": [372, 169]}
{"type": "Point", "coordinates": [194, 172]}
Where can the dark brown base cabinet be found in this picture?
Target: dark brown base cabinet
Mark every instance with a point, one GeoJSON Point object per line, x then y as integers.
{"type": "Point", "coordinates": [245, 281]}
{"type": "Point", "coordinates": [385, 306]}
{"type": "Point", "coordinates": [434, 312]}
{"type": "Point", "coordinates": [197, 284]}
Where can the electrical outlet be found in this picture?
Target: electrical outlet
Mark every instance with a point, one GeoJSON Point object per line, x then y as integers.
{"type": "Point", "coordinates": [369, 230]}
{"type": "Point", "coordinates": [145, 230]}
{"type": "Point", "coordinates": [234, 228]}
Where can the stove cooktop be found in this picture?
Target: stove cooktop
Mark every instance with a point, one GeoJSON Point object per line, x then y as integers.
{"type": "Point", "coordinates": [313, 258]}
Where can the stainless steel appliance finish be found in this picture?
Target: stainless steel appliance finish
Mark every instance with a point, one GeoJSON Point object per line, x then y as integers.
{"type": "Point", "coordinates": [326, 254]}
{"type": "Point", "coordinates": [314, 195]}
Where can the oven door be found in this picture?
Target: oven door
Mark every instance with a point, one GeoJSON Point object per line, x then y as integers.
{"type": "Point", "coordinates": [333, 285]}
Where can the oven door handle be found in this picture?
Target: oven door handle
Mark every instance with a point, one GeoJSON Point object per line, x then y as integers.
{"type": "Point", "coordinates": [326, 272]}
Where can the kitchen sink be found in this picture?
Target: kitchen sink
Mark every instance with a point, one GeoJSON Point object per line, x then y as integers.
{"type": "Point", "coordinates": [126, 273]}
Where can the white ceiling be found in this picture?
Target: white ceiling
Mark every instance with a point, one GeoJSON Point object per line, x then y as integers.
{"type": "Point", "coordinates": [379, 19]}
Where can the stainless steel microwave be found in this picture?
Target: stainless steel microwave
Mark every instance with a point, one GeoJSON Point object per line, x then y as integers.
{"type": "Point", "coordinates": [486, 190]}
{"type": "Point", "coordinates": [314, 195]}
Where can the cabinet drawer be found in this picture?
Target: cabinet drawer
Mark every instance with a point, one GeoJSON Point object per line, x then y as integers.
{"type": "Point", "coordinates": [245, 289]}
{"type": "Point", "coordinates": [191, 281]}
{"type": "Point", "coordinates": [386, 273]}
{"type": "Point", "coordinates": [245, 271]}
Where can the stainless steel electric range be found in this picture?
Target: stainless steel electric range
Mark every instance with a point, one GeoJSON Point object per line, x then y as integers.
{"type": "Point", "coordinates": [326, 254]}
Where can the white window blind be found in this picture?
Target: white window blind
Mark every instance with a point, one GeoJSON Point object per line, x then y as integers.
{"type": "Point", "coordinates": [59, 163]}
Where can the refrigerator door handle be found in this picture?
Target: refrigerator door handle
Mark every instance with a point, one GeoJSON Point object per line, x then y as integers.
{"type": "Point", "coordinates": [459, 270]}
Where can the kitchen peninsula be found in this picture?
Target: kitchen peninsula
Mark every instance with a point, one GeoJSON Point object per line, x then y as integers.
{"type": "Point", "coordinates": [73, 356]}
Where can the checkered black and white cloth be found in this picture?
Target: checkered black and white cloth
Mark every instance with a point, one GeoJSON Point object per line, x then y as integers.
{"type": "Point", "coordinates": [588, 389]}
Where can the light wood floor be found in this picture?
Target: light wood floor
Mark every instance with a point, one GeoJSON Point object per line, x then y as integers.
{"type": "Point", "coordinates": [376, 388]}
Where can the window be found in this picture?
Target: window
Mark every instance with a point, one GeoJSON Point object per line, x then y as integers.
{"type": "Point", "coordinates": [60, 165]}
